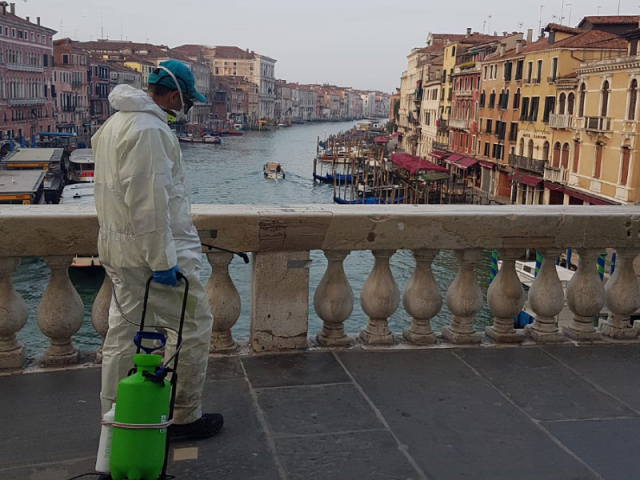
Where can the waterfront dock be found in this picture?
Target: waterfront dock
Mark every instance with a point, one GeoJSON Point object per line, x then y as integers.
{"type": "Point", "coordinates": [553, 413]}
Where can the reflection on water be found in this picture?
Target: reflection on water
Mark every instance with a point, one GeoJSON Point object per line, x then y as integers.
{"type": "Point", "coordinates": [231, 173]}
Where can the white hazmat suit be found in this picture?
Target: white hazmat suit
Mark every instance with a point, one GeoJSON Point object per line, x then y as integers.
{"type": "Point", "coordinates": [145, 226]}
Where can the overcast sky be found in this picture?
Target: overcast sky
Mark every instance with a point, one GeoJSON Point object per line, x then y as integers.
{"type": "Point", "coordinates": [357, 43]}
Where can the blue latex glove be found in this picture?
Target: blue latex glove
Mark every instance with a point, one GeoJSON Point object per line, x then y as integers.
{"type": "Point", "coordinates": [168, 277]}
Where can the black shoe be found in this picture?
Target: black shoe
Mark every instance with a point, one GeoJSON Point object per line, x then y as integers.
{"type": "Point", "coordinates": [207, 425]}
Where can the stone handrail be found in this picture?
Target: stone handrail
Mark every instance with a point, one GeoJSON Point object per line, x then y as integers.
{"type": "Point", "coordinates": [280, 239]}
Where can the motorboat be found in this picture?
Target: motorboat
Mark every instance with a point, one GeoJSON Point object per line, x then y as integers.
{"type": "Point", "coordinates": [81, 166]}
{"type": "Point", "coordinates": [274, 171]}
{"type": "Point", "coordinates": [212, 139]}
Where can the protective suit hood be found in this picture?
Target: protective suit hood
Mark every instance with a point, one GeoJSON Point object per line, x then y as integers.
{"type": "Point", "coordinates": [125, 98]}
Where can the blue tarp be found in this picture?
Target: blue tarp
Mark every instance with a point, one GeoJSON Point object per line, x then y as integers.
{"type": "Point", "coordinates": [56, 134]}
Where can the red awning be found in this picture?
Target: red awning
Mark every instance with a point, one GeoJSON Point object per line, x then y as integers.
{"type": "Point", "coordinates": [485, 164]}
{"type": "Point", "coordinates": [586, 198]}
{"type": "Point", "coordinates": [381, 140]}
{"type": "Point", "coordinates": [553, 186]}
{"type": "Point", "coordinates": [453, 158]}
{"type": "Point", "coordinates": [395, 135]}
{"type": "Point", "coordinates": [529, 180]}
{"type": "Point", "coordinates": [465, 163]}
{"type": "Point", "coordinates": [438, 155]}
{"type": "Point", "coordinates": [415, 164]}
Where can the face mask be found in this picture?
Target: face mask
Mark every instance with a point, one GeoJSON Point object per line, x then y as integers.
{"type": "Point", "coordinates": [186, 105]}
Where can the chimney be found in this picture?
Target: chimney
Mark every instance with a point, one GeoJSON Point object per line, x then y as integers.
{"type": "Point", "coordinates": [4, 7]}
{"type": "Point", "coordinates": [502, 49]}
{"type": "Point", "coordinates": [541, 33]}
{"type": "Point", "coordinates": [504, 34]}
{"type": "Point", "coordinates": [13, 8]}
{"type": "Point", "coordinates": [38, 20]}
{"type": "Point", "coordinates": [469, 32]}
{"type": "Point", "coordinates": [530, 35]}
{"type": "Point", "coordinates": [518, 45]}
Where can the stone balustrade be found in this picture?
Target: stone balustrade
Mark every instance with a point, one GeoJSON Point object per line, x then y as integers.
{"type": "Point", "coordinates": [280, 240]}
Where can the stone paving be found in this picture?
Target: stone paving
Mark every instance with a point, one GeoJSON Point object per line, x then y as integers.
{"type": "Point", "coordinates": [559, 412]}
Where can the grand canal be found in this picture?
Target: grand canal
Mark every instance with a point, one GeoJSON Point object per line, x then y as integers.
{"type": "Point", "coordinates": [231, 173]}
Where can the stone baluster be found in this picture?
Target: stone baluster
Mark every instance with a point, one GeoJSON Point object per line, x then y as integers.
{"type": "Point", "coordinates": [13, 317]}
{"type": "Point", "coordinates": [100, 312]}
{"type": "Point", "coordinates": [546, 298]}
{"type": "Point", "coordinates": [464, 299]}
{"type": "Point", "coordinates": [422, 299]}
{"type": "Point", "coordinates": [224, 302]}
{"type": "Point", "coordinates": [622, 295]}
{"type": "Point", "coordinates": [379, 299]}
{"type": "Point", "coordinates": [585, 297]}
{"type": "Point", "coordinates": [333, 301]}
{"type": "Point", "coordinates": [60, 314]}
{"type": "Point", "coordinates": [506, 299]}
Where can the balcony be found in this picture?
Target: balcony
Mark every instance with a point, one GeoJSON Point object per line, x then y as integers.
{"type": "Point", "coordinates": [443, 126]}
{"type": "Point", "coordinates": [597, 124]}
{"type": "Point", "coordinates": [18, 102]}
{"type": "Point", "coordinates": [561, 122]}
{"type": "Point", "coordinates": [526, 163]}
{"type": "Point", "coordinates": [556, 175]}
{"type": "Point", "coordinates": [459, 124]}
{"type": "Point", "coordinates": [310, 411]}
{"type": "Point", "coordinates": [464, 93]}
{"type": "Point", "coordinates": [443, 147]}
{"type": "Point", "coordinates": [19, 67]}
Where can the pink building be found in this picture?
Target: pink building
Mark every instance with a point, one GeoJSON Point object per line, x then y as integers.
{"type": "Point", "coordinates": [71, 88]}
{"type": "Point", "coordinates": [26, 61]}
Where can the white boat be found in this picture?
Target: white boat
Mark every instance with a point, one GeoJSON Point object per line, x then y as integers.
{"type": "Point", "coordinates": [274, 171]}
{"type": "Point", "coordinates": [80, 194]}
{"type": "Point", "coordinates": [212, 139]}
{"type": "Point", "coordinates": [81, 166]}
{"type": "Point", "coordinates": [527, 273]}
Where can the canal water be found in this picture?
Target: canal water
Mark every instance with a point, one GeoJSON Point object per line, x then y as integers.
{"type": "Point", "coordinates": [231, 173]}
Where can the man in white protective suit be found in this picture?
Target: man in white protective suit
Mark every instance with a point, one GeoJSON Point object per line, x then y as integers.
{"type": "Point", "coordinates": [146, 230]}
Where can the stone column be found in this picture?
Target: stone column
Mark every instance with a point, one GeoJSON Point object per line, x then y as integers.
{"type": "Point", "coordinates": [333, 301]}
{"type": "Point", "coordinates": [13, 317]}
{"type": "Point", "coordinates": [422, 299]}
{"type": "Point", "coordinates": [622, 296]}
{"type": "Point", "coordinates": [224, 302]}
{"type": "Point", "coordinates": [506, 299]}
{"type": "Point", "coordinates": [100, 312]}
{"type": "Point", "coordinates": [546, 298]}
{"type": "Point", "coordinates": [60, 314]}
{"type": "Point", "coordinates": [280, 301]}
{"type": "Point", "coordinates": [464, 299]}
{"type": "Point", "coordinates": [585, 297]}
{"type": "Point", "coordinates": [379, 299]}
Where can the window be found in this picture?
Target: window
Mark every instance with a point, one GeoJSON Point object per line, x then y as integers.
{"type": "Point", "coordinates": [508, 67]}
{"type": "Point", "coordinates": [486, 69]}
{"type": "Point", "coordinates": [513, 134]}
{"type": "Point", "coordinates": [549, 105]}
{"type": "Point", "coordinates": [487, 146]}
{"type": "Point", "coordinates": [633, 48]}
{"type": "Point", "coordinates": [604, 99]}
{"type": "Point", "coordinates": [554, 69]}
{"type": "Point", "coordinates": [565, 156]}
{"type": "Point", "coordinates": [576, 155]}
{"type": "Point", "coordinates": [545, 152]}
{"type": "Point", "coordinates": [65, 59]}
{"type": "Point", "coordinates": [492, 99]}
{"type": "Point", "coordinates": [556, 155]}
{"type": "Point", "coordinates": [489, 126]}
{"type": "Point", "coordinates": [633, 99]}
{"type": "Point", "coordinates": [505, 100]}
{"type": "Point", "coordinates": [530, 149]}
{"type": "Point", "coordinates": [519, 68]}
{"type": "Point", "coordinates": [571, 100]}
{"type": "Point", "coordinates": [524, 111]}
{"type": "Point", "coordinates": [624, 167]}
{"type": "Point", "coordinates": [561, 103]}
{"type": "Point", "coordinates": [539, 74]}
{"type": "Point", "coordinates": [521, 147]}
{"type": "Point", "coordinates": [583, 97]}
{"type": "Point", "coordinates": [535, 105]}
{"type": "Point", "coordinates": [529, 71]}
{"type": "Point", "coordinates": [45, 60]}
{"type": "Point", "coordinates": [483, 98]}
{"type": "Point", "coordinates": [598, 166]}
{"type": "Point", "coordinates": [516, 100]}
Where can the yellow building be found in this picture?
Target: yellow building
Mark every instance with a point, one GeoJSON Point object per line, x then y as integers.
{"type": "Point", "coordinates": [546, 61]}
{"type": "Point", "coordinates": [606, 170]}
{"type": "Point", "coordinates": [142, 66]}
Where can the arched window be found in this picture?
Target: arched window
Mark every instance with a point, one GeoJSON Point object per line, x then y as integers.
{"type": "Point", "coordinates": [545, 151]}
{"type": "Point", "coordinates": [556, 155]}
{"type": "Point", "coordinates": [492, 99]}
{"type": "Point", "coordinates": [530, 149]}
{"type": "Point", "coordinates": [561, 103]}
{"type": "Point", "coordinates": [571, 100]}
{"type": "Point", "coordinates": [506, 100]}
{"type": "Point", "coordinates": [516, 100]}
{"type": "Point", "coordinates": [583, 97]}
{"type": "Point", "coordinates": [633, 99]}
{"type": "Point", "coordinates": [624, 167]}
{"type": "Point", "coordinates": [605, 99]}
{"type": "Point", "coordinates": [521, 148]}
{"type": "Point", "coordinates": [565, 156]}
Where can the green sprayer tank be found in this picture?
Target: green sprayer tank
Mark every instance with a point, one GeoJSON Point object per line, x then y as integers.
{"type": "Point", "coordinates": [138, 454]}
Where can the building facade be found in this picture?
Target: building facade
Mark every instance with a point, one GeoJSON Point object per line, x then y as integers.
{"type": "Point", "coordinates": [26, 62]}
{"type": "Point", "coordinates": [70, 81]}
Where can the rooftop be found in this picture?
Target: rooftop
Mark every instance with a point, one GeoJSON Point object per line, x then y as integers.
{"type": "Point", "coordinates": [609, 20]}
{"type": "Point", "coordinates": [34, 155]}
{"type": "Point", "coordinates": [553, 413]}
{"type": "Point", "coordinates": [22, 181]}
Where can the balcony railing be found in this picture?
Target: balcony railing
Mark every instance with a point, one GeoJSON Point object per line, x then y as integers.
{"type": "Point", "coordinates": [19, 67]}
{"type": "Point", "coordinates": [560, 121]}
{"type": "Point", "coordinates": [597, 124]}
{"type": "Point", "coordinates": [443, 147]}
{"type": "Point", "coordinates": [557, 175]}
{"type": "Point", "coordinates": [16, 102]}
{"type": "Point", "coordinates": [460, 124]}
{"type": "Point", "coordinates": [281, 240]}
{"type": "Point", "coordinates": [526, 163]}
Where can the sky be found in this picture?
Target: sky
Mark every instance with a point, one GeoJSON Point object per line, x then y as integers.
{"type": "Point", "coordinates": [351, 43]}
